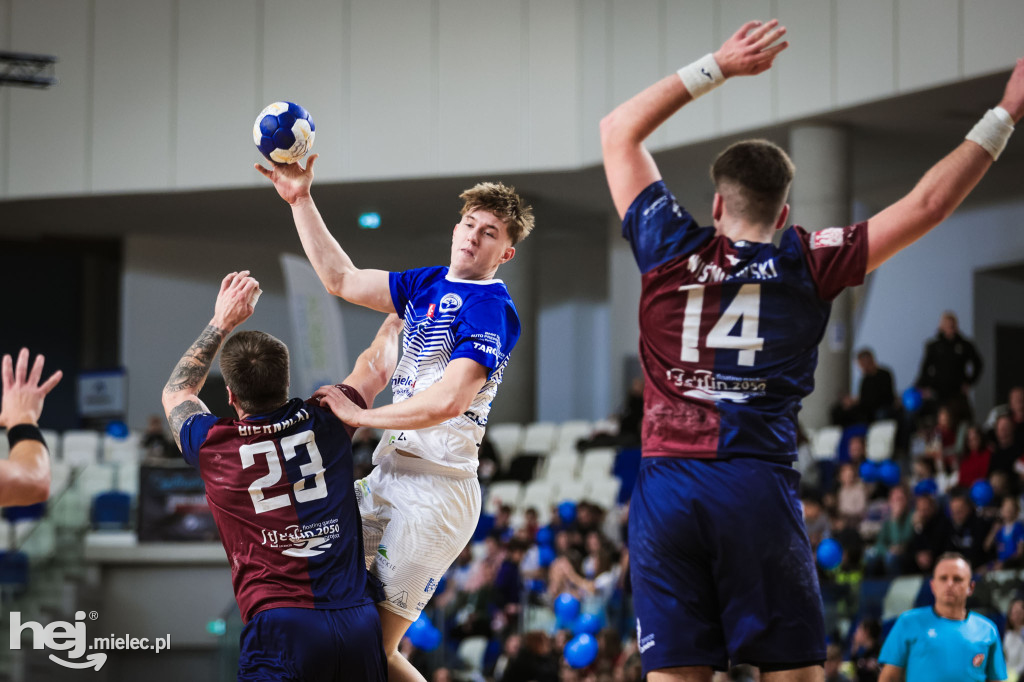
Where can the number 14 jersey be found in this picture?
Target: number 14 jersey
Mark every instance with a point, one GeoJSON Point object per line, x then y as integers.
{"type": "Point", "coordinates": [729, 331]}
{"type": "Point", "coordinates": [280, 489]}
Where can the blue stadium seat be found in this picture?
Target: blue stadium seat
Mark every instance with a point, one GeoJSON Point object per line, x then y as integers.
{"type": "Point", "coordinates": [112, 510]}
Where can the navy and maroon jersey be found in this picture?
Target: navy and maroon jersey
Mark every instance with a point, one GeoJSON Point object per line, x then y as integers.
{"type": "Point", "coordinates": [729, 331]}
{"type": "Point", "coordinates": [280, 489]}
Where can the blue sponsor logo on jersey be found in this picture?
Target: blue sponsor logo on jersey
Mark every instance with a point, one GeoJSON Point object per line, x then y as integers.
{"type": "Point", "coordinates": [450, 303]}
{"type": "Point", "coordinates": [431, 586]}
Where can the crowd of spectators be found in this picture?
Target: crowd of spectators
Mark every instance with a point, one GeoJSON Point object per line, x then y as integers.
{"type": "Point", "coordinates": [958, 488]}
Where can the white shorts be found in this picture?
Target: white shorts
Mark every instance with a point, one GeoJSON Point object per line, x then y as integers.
{"type": "Point", "coordinates": [418, 516]}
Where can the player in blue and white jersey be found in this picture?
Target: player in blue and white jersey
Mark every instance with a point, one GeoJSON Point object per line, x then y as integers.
{"type": "Point", "coordinates": [729, 328]}
{"type": "Point", "coordinates": [421, 503]}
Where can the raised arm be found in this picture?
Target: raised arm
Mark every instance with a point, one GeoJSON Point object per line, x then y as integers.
{"type": "Point", "coordinates": [235, 304]}
{"type": "Point", "coordinates": [25, 474]}
{"type": "Point", "coordinates": [948, 182]}
{"type": "Point", "coordinates": [376, 364]}
{"type": "Point", "coordinates": [338, 274]}
{"type": "Point", "coordinates": [627, 163]}
{"type": "Point", "coordinates": [447, 398]}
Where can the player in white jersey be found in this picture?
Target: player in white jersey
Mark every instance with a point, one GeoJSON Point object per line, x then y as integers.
{"type": "Point", "coordinates": [421, 504]}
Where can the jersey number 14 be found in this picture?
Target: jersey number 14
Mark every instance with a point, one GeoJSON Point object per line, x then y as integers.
{"type": "Point", "coordinates": [744, 309]}
{"type": "Point", "coordinates": [303, 493]}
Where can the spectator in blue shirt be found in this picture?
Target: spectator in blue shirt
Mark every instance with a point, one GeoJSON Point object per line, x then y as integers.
{"type": "Point", "coordinates": [944, 642]}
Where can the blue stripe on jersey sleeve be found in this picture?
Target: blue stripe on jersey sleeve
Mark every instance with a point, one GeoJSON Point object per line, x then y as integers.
{"type": "Point", "coordinates": [486, 332]}
{"type": "Point", "coordinates": [405, 285]}
{"type": "Point", "coordinates": [659, 229]}
{"type": "Point", "coordinates": [193, 435]}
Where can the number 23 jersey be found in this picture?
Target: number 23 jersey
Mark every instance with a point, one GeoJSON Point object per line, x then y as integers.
{"type": "Point", "coordinates": [279, 487]}
{"type": "Point", "coordinates": [729, 331]}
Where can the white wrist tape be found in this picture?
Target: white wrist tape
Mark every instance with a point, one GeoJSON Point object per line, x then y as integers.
{"type": "Point", "coordinates": [702, 76]}
{"type": "Point", "coordinates": [254, 297]}
{"type": "Point", "coordinates": [993, 131]}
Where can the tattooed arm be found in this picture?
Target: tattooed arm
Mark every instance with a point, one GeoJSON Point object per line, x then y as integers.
{"type": "Point", "coordinates": [181, 393]}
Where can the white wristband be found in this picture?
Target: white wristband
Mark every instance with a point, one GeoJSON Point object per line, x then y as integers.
{"type": "Point", "coordinates": [993, 131]}
{"type": "Point", "coordinates": [702, 76]}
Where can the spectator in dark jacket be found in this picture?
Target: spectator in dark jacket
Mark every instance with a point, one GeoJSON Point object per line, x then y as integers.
{"type": "Point", "coordinates": [930, 537]}
{"type": "Point", "coordinates": [950, 367]}
{"type": "Point", "coordinates": [968, 532]}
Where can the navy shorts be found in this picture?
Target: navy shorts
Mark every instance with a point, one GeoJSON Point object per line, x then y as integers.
{"type": "Point", "coordinates": [721, 566]}
{"type": "Point", "coordinates": [313, 645]}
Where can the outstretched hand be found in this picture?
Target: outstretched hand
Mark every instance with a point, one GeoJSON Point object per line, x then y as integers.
{"type": "Point", "coordinates": [343, 408]}
{"type": "Point", "coordinates": [291, 180]}
{"type": "Point", "coordinates": [1013, 96]}
{"type": "Point", "coordinates": [752, 49]}
{"type": "Point", "coordinates": [236, 300]}
{"type": "Point", "coordinates": [23, 394]}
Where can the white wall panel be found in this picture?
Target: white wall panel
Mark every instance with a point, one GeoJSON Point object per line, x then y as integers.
{"type": "Point", "coordinates": [636, 52]}
{"type": "Point", "coordinates": [553, 115]}
{"type": "Point", "coordinates": [927, 43]}
{"type": "Point", "coordinates": [132, 102]}
{"type": "Point", "coordinates": [690, 32]}
{"type": "Point", "coordinates": [804, 72]}
{"type": "Point", "coordinates": [393, 97]}
{"type": "Point", "coordinates": [49, 129]}
{"type": "Point", "coordinates": [481, 86]}
{"type": "Point", "coordinates": [217, 68]}
{"type": "Point", "coordinates": [864, 51]}
{"type": "Point", "coordinates": [992, 35]}
{"type": "Point", "coordinates": [595, 66]}
{"type": "Point", "coordinates": [314, 80]}
{"type": "Point", "coordinates": [746, 102]}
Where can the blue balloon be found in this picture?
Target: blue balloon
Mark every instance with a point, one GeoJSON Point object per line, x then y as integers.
{"type": "Point", "coordinates": [912, 399]}
{"type": "Point", "coordinates": [567, 607]}
{"type": "Point", "coordinates": [926, 486]}
{"type": "Point", "coordinates": [588, 623]}
{"type": "Point", "coordinates": [428, 638]}
{"type": "Point", "coordinates": [581, 651]}
{"type": "Point", "coordinates": [889, 473]}
{"type": "Point", "coordinates": [546, 554]}
{"type": "Point", "coordinates": [869, 471]}
{"type": "Point", "coordinates": [419, 624]}
{"type": "Point", "coordinates": [117, 429]}
{"type": "Point", "coordinates": [830, 554]}
{"type": "Point", "coordinates": [982, 493]}
{"type": "Point", "coordinates": [567, 511]}
{"type": "Point", "coordinates": [545, 536]}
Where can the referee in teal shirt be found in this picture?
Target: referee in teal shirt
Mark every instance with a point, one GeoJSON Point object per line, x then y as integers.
{"type": "Point", "coordinates": [944, 642]}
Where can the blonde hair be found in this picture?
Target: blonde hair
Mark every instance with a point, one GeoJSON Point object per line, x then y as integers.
{"type": "Point", "coordinates": [504, 203]}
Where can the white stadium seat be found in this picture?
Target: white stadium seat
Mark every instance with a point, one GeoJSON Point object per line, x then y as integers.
{"type": "Point", "coordinates": [506, 439]}
{"type": "Point", "coordinates": [80, 448]}
{"type": "Point", "coordinates": [561, 465]}
{"type": "Point", "coordinates": [572, 489]}
{"type": "Point", "coordinates": [540, 494]}
{"type": "Point", "coordinates": [471, 652]}
{"type": "Point", "coordinates": [539, 438]}
{"type": "Point", "coordinates": [881, 440]}
{"type": "Point", "coordinates": [503, 492]}
{"type": "Point", "coordinates": [128, 449]}
{"type": "Point", "coordinates": [597, 463]}
{"type": "Point", "coordinates": [571, 431]}
{"type": "Point", "coordinates": [826, 442]}
{"type": "Point", "coordinates": [605, 493]}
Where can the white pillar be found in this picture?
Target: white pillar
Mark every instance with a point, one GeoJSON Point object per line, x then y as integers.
{"type": "Point", "coordinates": [821, 198]}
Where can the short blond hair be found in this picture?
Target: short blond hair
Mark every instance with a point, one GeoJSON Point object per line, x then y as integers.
{"type": "Point", "coordinates": [504, 203]}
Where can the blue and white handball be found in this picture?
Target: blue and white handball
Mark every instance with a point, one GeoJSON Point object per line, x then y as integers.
{"type": "Point", "coordinates": [284, 132]}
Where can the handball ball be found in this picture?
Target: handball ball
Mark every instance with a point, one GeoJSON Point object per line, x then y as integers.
{"type": "Point", "coordinates": [284, 132]}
